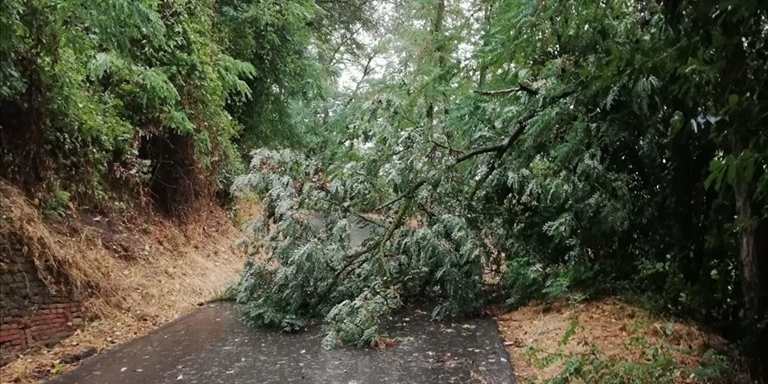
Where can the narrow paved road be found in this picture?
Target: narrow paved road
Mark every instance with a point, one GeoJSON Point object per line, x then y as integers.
{"type": "Point", "coordinates": [212, 345]}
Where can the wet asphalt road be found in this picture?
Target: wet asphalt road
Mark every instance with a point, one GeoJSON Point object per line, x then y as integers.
{"type": "Point", "coordinates": [212, 345]}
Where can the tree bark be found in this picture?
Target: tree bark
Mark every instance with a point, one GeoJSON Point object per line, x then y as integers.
{"type": "Point", "coordinates": [483, 70]}
{"type": "Point", "coordinates": [437, 30]}
{"type": "Point", "coordinates": [753, 259]}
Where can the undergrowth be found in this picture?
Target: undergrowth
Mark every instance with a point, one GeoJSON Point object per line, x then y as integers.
{"type": "Point", "coordinates": [641, 360]}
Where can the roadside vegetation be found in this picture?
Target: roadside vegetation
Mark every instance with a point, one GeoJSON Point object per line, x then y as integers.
{"type": "Point", "coordinates": [506, 152]}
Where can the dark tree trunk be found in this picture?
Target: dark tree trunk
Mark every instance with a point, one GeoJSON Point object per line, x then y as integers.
{"type": "Point", "coordinates": [753, 237]}
{"type": "Point", "coordinates": [753, 259]}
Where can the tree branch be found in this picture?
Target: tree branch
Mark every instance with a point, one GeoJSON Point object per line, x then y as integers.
{"type": "Point", "coordinates": [353, 213]}
{"type": "Point", "coordinates": [366, 71]}
{"type": "Point", "coordinates": [355, 259]}
{"type": "Point", "coordinates": [480, 151]}
{"type": "Point", "coordinates": [404, 195]}
{"type": "Point", "coordinates": [391, 230]}
{"type": "Point", "coordinates": [520, 88]}
{"type": "Point", "coordinates": [520, 128]}
{"type": "Point", "coordinates": [380, 243]}
{"type": "Point", "coordinates": [498, 149]}
{"type": "Point", "coordinates": [501, 149]}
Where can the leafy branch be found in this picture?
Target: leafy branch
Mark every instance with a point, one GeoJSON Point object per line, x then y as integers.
{"type": "Point", "coordinates": [502, 148]}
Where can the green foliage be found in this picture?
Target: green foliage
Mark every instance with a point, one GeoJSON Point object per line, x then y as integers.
{"type": "Point", "coordinates": [522, 149]}
{"type": "Point", "coordinates": [351, 286]}
{"type": "Point", "coordinates": [136, 93]}
{"type": "Point", "coordinates": [590, 367]}
{"type": "Point", "coordinates": [543, 148]}
{"type": "Point", "coordinates": [108, 73]}
{"type": "Point", "coordinates": [523, 281]}
{"type": "Point", "coordinates": [356, 321]}
{"type": "Point", "coordinates": [274, 38]}
{"type": "Point", "coordinates": [659, 363]}
{"type": "Point", "coordinates": [57, 205]}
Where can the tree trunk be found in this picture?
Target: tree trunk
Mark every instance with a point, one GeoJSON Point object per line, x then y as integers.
{"type": "Point", "coordinates": [483, 70]}
{"type": "Point", "coordinates": [753, 258]}
{"type": "Point", "coordinates": [437, 30]}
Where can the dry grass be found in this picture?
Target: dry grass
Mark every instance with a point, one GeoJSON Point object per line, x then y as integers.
{"type": "Point", "coordinates": [609, 325]}
{"type": "Point", "coordinates": [131, 274]}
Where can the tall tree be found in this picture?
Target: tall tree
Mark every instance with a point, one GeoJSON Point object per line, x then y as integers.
{"type": "Point", "coordinates": [727, 83]}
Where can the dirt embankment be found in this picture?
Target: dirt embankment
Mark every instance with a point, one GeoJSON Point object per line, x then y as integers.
{"type": "Point", "coordinates": [131, 272]}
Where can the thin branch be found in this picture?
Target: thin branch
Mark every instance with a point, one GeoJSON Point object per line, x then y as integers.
{"type": "Point", "coordinates": [353, 213]}
{"type": "Point", "coordinates": [502, 149]}
{"type": "Point", "coordinates": [520, 88]}
{"type": "Point", "coordinates": [451, 151]}
{"type": "Point", "coordinates": [520, 128]}
{"type": "Point", "coordinates": [424, 209]}
{"type": "Point", "coordinates": [482, 180]}
{"type": "Point", "coordinates": [480, 151]}
{"type": "Point", "coordinates": [341, 45]}
{"type": "Point", "coordinates": [404, 195]}
{"type": "Point", "coordinates": [366, 71]}
{"type": "Point", "coordinates": [352, 259]}
{"type": "Point", "coordinates": [391, 230]}
{"type": "Point", "coordinates": [443, 146]}
{"type": "Point", "coordinates": [499, 149]}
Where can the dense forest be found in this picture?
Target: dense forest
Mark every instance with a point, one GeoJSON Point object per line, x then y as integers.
{"type": "Point", "coordinates": [502, 150]}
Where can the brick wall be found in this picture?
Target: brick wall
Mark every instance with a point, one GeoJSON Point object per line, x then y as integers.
{"type": "Point", "coordinates": [30, 314]}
